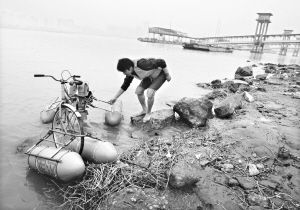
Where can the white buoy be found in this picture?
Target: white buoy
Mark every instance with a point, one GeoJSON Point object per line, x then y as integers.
{"type": "Point", "coordinates": [95, 151]}
{"type": "Point", "coordinates": [65, 165]}
{"type": "Point", "coordinates": [114, 117]}
{"type": "Point", "coordinates": [47, 114]}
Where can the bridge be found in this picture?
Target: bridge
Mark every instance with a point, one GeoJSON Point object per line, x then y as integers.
{"type": "Point", "coordinates": [258, 41]}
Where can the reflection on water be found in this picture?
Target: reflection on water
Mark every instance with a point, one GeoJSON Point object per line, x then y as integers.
{"type": "Point", "coordinates": [295, 60]}
{"type": "Point", "coordinates": [281, 59]}
{"type": "Point", "coordinates": [255, 56]}
{"type": "Point", "coordinates": [274, 58]}
{"type": "Point", "coordinates": [46, 187]}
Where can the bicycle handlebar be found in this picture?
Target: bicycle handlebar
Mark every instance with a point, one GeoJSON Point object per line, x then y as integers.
{"type": "Point", "coordinates": [60, 80]}
{"type": "Point", "coordinates": [39, 75]}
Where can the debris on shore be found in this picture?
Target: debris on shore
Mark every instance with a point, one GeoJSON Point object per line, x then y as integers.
{"type": "Point", "coordinates": [246, 156]}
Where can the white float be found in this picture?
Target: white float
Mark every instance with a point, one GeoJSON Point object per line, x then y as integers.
{"type": "Point", "coordinates": [114, 117]}
{"type": "Point", "coordinates": [47, 114]}
{"type": "Point", "coordinates": [95, 151]}
{"type": "Point", "coordinates": [61, 164]}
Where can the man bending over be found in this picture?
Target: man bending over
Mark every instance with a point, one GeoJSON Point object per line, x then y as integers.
{"type": "Point", "coordinates": [152, 73]}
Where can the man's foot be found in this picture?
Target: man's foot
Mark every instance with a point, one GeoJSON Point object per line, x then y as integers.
{"type": "Point", "coordinates": [139, 114]}
{"type": "Point", "coordinates": [147, 117]}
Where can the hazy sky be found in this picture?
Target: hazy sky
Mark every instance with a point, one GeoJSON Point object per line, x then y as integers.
{"type": "Point", "coordinates": [195, 17]}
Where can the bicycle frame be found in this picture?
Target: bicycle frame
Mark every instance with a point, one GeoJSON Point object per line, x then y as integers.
{"type": "Point", "coordinates": [67, 124]}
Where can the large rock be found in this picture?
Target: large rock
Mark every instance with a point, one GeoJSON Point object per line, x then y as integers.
{"type": "Point", "coordinates": [227, 107]}
{"type": "Point", "coordinates": [194, 112]}
{"type": "Point", "coordinates": [247, 183]}
{"type": "Point", "coordinates": [159, 119]}
{"type": "Point", "coordinates": [213, 194]}
{"type": "Point", "coordinates": [216, 83]}
{"type": "Point", "coordinates": [242, 72]}
{"type": "Point", "coordinates": [216, 94]}
{"type": "Point", "coordinates": [182, 176]}
{"type": "Point", "coordinates": [236, 85]}
{"type": "Point", "coordinates": [261, 76]}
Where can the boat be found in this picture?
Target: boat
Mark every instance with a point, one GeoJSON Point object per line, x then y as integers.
{"type": "Point", "coordinates": [220, 49]}
{"type": "Point", "coordinates": [206, 47]}
{"type": "Point", "coordinates": [195, 46]}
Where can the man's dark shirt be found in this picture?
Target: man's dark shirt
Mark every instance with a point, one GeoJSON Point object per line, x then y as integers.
{"type": "Point", "coordinates": [144, 64]}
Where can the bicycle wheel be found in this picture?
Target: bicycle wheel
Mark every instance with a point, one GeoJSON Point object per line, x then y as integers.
{"type": "Point", "coordinates": [66, 125]}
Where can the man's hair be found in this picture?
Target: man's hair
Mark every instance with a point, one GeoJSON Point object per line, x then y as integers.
{"type": "Point", "coordinates": [124, 64]}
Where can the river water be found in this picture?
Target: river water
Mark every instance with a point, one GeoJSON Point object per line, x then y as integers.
{"type": "Point", "coordinates": [24, 53]}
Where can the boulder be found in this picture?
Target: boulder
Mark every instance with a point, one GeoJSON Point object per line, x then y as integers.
{"type": "Point", "coordinates": [243, 88]}
{"type": "Point", "coordinates": [216, 83]}
{"type": "Point", "coordinates": [242, 72]}
{"type": "Point", "coordinates": [194, 112]}
{"type": "Point", "coordinates": [213, 194]}
{"type": "Point", "coordinates": [204, 85]}
{"type": "Point", "coordinates": [227, 107]}
{"type": "Point", "coordinates": [247, 183]}
{"type": "Point", "coordinates": [216, 94]}
{"type": "Point", "coordinates": [233, 87]}
{"type": "Point", "coordinates": [159, 119]}
{"type": "Point", "coordinates": [261, 76]}
{"type": "Point", "coordinates": [236, 85]}
{"type": "Point", "coordinates": [268, 70]}
{"type": "Point", "coordinates": [182, 176]}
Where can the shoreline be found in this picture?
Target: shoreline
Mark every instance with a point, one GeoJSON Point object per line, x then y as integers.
{"type": "Point", "coordinates": [250, 160]}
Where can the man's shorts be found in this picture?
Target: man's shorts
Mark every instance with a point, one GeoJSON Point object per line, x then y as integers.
{"type": "Point", "coordinates": [154, 84]}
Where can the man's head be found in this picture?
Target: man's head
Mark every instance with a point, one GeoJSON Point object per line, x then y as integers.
{"type": "Point", "coordinates": [125, 65]}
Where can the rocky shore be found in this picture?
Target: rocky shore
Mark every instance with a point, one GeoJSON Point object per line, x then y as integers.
{"type": "Point", "coordinates": [237, 147]}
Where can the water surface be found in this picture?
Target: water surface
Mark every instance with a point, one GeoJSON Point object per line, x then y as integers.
{"type": "Point", "coordinates": [24, 53]}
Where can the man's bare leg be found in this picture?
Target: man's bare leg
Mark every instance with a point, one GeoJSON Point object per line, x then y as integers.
{"type": "Point", "coordinates": [142, 101]}
{"type": "Point", "coordinates": [150, 102]}
{"type": "Point", "coordinates": [140, 94]}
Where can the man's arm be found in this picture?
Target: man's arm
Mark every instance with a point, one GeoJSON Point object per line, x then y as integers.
{"type": "Point", "coordinates": [118, 94]}
{"type": "Point", "coordinates": [124, 87]}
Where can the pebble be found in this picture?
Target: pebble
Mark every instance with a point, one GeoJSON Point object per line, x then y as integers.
{"type": "Point", "coordinates": [198, 156]}
{"type": "Point", "coordinates": [253, 170]}
{"type": "Point", "coordinates": [227, 167]}
{"type": "Point", "coordinates": [233, 182]}
{"type": "Point", "coordinates": [260, 166]}
{"type": "Point", "coordinates": [257, 200]}
{"type": "Point", "coordinates": [133, 199]}
{"type": "Point", "coordinates": [204, 162]}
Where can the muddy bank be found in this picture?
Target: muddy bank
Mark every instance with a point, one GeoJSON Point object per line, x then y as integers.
{"type": "Point", "coordinates": [248, 158]}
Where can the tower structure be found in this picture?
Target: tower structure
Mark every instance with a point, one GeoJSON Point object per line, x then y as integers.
{"type": "Point", "coordinates": [284, 46]}
{"type": "Point", "coordinates": [297, 48]}
{"type": "Point", "coordinates": [263, 21]}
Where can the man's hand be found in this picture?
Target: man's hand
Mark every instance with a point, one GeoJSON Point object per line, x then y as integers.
{"type": "Point", "coordinates": [112, 101]}
{"type": "Point", "coordinates": [168, 77]}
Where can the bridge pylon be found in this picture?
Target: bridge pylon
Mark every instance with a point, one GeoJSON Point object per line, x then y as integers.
{"type": "Point", "coordinates": [297, 49]}
{"type": "Point", "coordinates": [263, 21]}
{"type": "Point", "coordinates": [284, 46]}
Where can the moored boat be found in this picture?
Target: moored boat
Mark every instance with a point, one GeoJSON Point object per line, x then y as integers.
{"type": "Point", "coordinates": [206, 47]}
{"type": "Point", "coordinates": [195, 46]}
